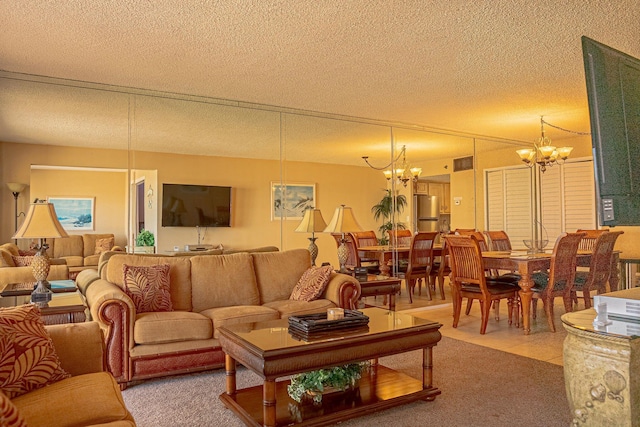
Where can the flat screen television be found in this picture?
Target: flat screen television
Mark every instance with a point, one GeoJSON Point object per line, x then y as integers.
{"type": "Point", "coordinates": [196, 206]}
{"type": "Point", "coordinates": [613, 90]}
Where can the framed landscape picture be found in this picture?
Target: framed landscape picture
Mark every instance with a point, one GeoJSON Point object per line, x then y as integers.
{"type": "Point", "coordinates": [289, 201]}
{"type": "Point", "coordinates": [75, 213]}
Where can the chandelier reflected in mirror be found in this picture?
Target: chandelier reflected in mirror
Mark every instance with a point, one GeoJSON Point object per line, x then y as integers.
{"type": "Point", "coordinates": [543, 152]}
{"type": "Point", "coordinates": [403, 171]}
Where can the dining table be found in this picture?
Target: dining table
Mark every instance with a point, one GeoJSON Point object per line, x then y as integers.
{"type": "Point", "coordinates": [385, 255]}
{"type": "Point", "coordinates": [525, 264]}
{"type": "Point", "coordinates": [519, 260]}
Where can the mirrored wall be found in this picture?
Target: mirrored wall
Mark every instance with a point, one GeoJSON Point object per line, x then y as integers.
{"type": "Point", "coordinates": [64, 136]}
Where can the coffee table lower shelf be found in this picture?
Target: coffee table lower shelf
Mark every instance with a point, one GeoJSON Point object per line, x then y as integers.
{"type": "Point", "coordinates": [381, 388]}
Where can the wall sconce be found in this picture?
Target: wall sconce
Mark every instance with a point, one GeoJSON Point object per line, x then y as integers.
{"type": "Point", "coordinates": [150, 197]}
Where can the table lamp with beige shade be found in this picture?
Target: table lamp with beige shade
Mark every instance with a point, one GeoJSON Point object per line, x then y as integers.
{"type": "Point", "coordinates": [41, 223]}
{"type": "Point", "coordinates": [312, 222]}
{"type": "Point", "coordinates": [343, 222]}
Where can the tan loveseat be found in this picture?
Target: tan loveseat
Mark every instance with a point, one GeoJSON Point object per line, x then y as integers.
{"type": "Point", "coordinates": [9, 273]}
{"type": "Point", "coordinates": [91, 397]}
{"type": "Point", "coordinates": [207, 291]}
{"type": "Point", "coordinates": [78, 250]}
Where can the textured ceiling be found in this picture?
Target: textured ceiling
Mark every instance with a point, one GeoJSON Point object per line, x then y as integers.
{"type": "Point", "coordinates": [486, 68]}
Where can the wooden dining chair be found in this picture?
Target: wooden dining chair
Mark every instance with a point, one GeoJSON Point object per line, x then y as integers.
{"type": "Point", "coordinates": [589, 240]}
{"type": "Point", "coordinates": [468, 280]}
{"type": "Point", "coordinates": [362, 239]}
{"type": "Point", "coordinates": [558, 282]}
{"type": "Point", "coordinates": [400, 237]}
{"type": "Point", "coordinates": [420, 262]}
{"type": "Point", "coordinates": [477, 234]}
{"type": "Point", "coordinates": [498, 240]}
{"type": "Point", "coordinates": [595, 279]}
{"type": "Point", "coordinates": [441, 268]}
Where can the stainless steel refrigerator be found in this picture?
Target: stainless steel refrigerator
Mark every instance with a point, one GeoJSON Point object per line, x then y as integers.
{"type": "Point", "coordinates": [426, 212]}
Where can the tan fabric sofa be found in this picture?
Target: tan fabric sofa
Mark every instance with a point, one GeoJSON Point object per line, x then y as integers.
{"type": "Point", "coordinates": [91, 397]}
{"type": "Point", "coordinates": [207, 291]}
{"type": "Point", "coordinates": [78, 251]}
{"type": "Point", "coordinates": [9, 273]}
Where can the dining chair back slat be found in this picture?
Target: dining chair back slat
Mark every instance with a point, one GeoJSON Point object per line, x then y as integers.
{"type": "Point", "coordinates": [561, 276]}
{"type": "Point", "coordinates": [599, 267]}
{"type": "Point", "coordinates": [498, 240]}
{"type": "Point", "coordinates": [588, 241]}
{"type": "Point", "coordinates": [477, 234]}
{"type": "Point", "coordinates": [420, 261]}
{"type": "Point", "coordinates": [400, 237]}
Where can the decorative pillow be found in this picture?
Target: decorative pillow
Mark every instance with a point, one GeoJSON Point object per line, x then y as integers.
{"type": "Point", "coordinates": [148, 287]}
{"type": "Point", "coordinates": [22, 261]}
{"type": "Point", "coordinates": [10, 416]}
{"type": "Point", "coordinates": [6, 258]}
{"type": "Point", "coordinates": [29, 360]}
{"type": "Point", "coordinates": [103, 245]}
{"type": "Point", "coordinates": [30, 252]}
{"type": "Point", "coordinates": [312, 283]}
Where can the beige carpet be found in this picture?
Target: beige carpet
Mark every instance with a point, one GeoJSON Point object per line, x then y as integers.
{"type": "Point", "coordinates": [480, 387]}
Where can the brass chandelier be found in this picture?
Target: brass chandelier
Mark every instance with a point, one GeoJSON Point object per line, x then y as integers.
{"type": "Point", "coordinates": [543, 152]}
{"type": "Point", "coordinates": [403, 173]}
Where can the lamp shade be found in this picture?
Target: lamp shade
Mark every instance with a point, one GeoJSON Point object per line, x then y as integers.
{"type": "Point", "coordinates": [41, 223]}
{"type": "Point", "coordinates": [343, 221]}
{"type": "Point", "coordinates": [16, 187]}
{"type": "Point", "coordinates": [311, 222]}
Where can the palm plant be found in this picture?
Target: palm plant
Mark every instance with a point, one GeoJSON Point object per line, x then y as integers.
{"type": "Point", "coordinates": [388, 208]}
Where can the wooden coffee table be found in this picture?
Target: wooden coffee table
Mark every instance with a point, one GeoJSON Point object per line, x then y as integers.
{"type": "Point", "coordinates": [270, 351]}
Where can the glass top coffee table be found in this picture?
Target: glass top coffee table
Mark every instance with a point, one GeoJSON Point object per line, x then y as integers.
{"type": "Point", "coordinates": [269, 350]}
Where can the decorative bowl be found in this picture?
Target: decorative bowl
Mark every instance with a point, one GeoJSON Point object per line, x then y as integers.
{"type": "Point", "coordinates": [536, 245]}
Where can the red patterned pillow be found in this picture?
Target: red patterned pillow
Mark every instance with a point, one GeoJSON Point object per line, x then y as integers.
{"type": "Point", "coordinates": [30, 252]}
{"type": "Point", "coordinates": [22, 261]}
{"type": "Point", "coordinates": [9, 414]}
{"type": "Point", "coordinates": [148, 287]}
{"type": "Point", "coordinates": [29, 360]}
{"type": "Point", "coordinates": [312, 283]}
{"type": "Point", "coordinates": [103, 245]}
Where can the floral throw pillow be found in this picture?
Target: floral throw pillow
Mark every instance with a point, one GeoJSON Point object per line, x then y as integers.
{"type": "Point", "coordinates": [103, 245]}
{"type": "Point", "coordinates": [29, 360]}
{"type": "Point", "coordinates": [9, 414]}
{"type": "Point", "coordinates": [148, 287]}
{"type": "Point", "coordinates": [22, 261]}
{"type": "Point", "coordinates": [312, 283]}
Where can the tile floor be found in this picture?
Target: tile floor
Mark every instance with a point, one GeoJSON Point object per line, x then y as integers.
{"type": "Point", "coordinates": [540, 344]}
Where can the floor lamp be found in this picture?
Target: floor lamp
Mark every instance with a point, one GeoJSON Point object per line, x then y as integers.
{"type": "Point", "coordinates": [16, 188]}
{"type": "Point", "coordinates": [41, 223]}
{"type": "Point", "coordinates": [343, 222]}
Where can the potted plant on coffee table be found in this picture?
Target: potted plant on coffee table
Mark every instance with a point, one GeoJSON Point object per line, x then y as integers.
{"type": "Point", "coordinates": [145, 242]}
{"type": "Point", "coordinates": [310, 386]}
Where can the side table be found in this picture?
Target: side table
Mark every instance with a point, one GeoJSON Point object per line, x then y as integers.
{"type": "Point", "coordinates": [374, 286]}
{"type": "Point", "coordinates": [599, 370]}
{"type": "Point", "coordinates": [65, 307]}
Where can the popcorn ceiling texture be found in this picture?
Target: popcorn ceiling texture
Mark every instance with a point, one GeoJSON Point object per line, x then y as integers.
{"type": "Point", "coordinates": [487, 68]}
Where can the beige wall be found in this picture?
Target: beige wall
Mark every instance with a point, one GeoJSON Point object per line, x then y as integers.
{"type": "Point", "coordinates": [108, 188]}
